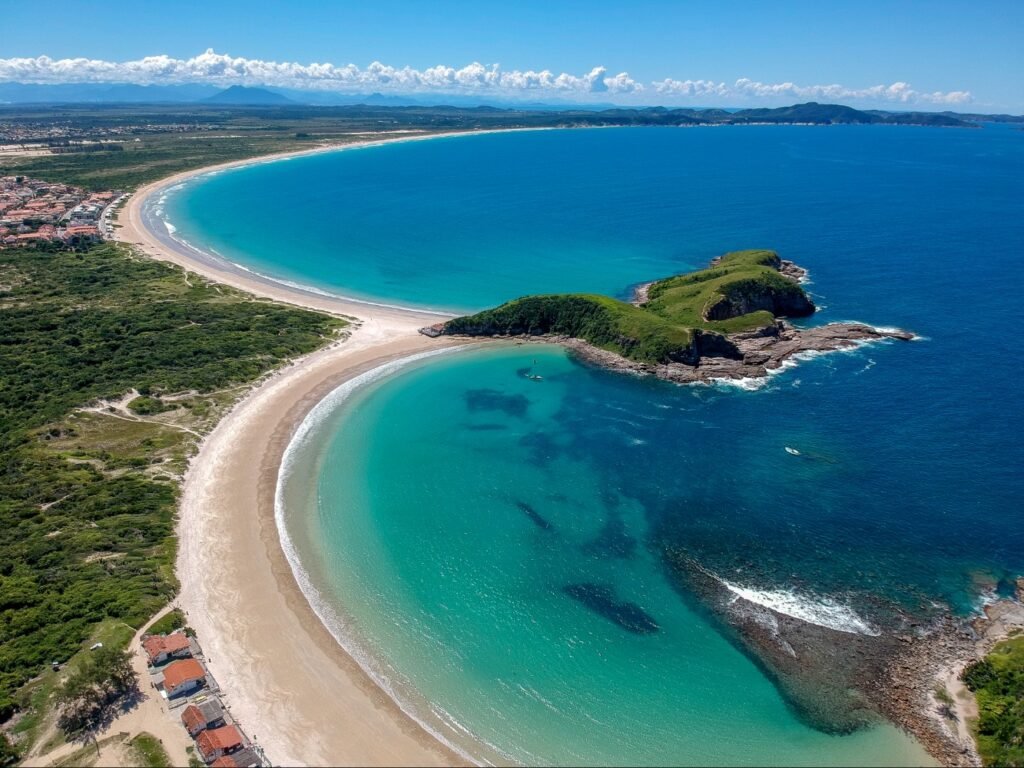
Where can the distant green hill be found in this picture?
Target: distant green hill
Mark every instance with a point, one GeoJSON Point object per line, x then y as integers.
{"type": "Point", "coordinates": [239, 95]}
{"type": "Point", "coordinates": [681, 318]}
{"type": "Point", "coordinates": [812, 112]}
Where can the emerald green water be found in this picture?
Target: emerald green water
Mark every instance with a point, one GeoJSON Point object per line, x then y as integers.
{"type": "Point", "coordinates": [406, 507]}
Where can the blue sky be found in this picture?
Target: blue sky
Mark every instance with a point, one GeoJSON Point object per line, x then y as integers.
{"type": "Point", "coordinates": [933, 52]}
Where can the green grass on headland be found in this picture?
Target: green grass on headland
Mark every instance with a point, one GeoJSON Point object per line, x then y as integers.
{"type": "Point", "coordinates": [87, 498]}
{"type": "Point", "coordinates": [742, 291]}
{"type": "Point", "coordinates": [998, 683]}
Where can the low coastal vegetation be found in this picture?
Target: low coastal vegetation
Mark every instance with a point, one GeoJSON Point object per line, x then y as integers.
{"type": "Point", "coordinates": [111, 369]}
{"type": "Point", "coordinates": [998, 683]}
{"type": "Point", "coordinates": [679, 317]}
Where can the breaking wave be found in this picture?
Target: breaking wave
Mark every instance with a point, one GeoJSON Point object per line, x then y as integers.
{"type": "Point", "coordinates": [817, 610]}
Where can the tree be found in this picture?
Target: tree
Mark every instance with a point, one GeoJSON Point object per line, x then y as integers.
{"type": "Point", "coordinates": [89, 696]}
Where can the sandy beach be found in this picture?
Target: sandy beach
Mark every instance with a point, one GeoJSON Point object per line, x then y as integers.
{"type": "Point", "coordinates": [287, 681]}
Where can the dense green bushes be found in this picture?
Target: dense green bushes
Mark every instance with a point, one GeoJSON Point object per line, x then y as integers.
{"type": "Point", "coordinates": [602, 321]}
{"type": "Point", "coordinates": [998, 682]}
{"type": "Point", "coordinates": [86, 534]}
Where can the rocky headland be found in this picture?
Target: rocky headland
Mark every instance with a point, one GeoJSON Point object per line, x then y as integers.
{"type": "Point", "coordinates": [728, 321]}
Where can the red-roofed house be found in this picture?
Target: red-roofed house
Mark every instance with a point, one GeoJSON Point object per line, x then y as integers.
{"type": "Point", "coordinates": [218, 742]}
{"type": "Point", "coordinates": [159, 648]}
{"type": "Point", "coordinates": [183, 676]}
{"type": "Point", "coordinates": [208, 714]}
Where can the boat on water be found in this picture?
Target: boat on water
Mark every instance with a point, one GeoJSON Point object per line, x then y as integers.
{"type": "Point", "coordinates": [792, 451]}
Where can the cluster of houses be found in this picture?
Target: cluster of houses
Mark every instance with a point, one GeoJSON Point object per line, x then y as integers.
{"type": "Point", "coordinates": [34, 212]}
{"type": "Point", "coordinates": [21, 134]}
{"type": "Point", "coordinates": [177, 671]}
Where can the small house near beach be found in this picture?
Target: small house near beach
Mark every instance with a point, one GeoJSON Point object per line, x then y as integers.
{"type": "Point", "coordinates": [199, 717]}
{"type": "Point", "coordinates": [217, 742]}
{"type": "Point", "coordinates": [182, 677]}
{"type": "Point", "coordinates": [160, 648]}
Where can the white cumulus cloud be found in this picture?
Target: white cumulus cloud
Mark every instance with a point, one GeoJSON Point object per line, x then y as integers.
{"type": "Point", "coordinates": [223, 70]}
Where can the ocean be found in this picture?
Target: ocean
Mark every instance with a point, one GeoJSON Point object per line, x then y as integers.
{"type": "Point", "coordinates": [494, 548]}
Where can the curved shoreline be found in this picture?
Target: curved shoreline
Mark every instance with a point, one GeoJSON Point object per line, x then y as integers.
{"type": "Point", "coordinates": [287, 678]}
{"type": "Point", "coordinates": [134, 230]}
{"type": "Point", "coordinates": [312, 421]}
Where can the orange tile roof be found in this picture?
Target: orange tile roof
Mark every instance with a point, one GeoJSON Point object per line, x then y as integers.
{"type": "Point", "coordinates": [181, 672]}
{"type": "Point", "coordinates": [154, 645]}
{"type": "Point", "coordinates": [193, 718]}
{"type": "Point", "coordinates": [224, 738]}
{"type": "Point", "coordinates": [176, 642]}
{"type": "Point", "coordinates": [224, 761]}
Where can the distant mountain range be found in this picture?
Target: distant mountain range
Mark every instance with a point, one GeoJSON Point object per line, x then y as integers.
{"type": "Point", "coordinates": [244, 96]}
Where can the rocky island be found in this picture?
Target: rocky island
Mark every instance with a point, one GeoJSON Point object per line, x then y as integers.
{"type": "Point", "coordinates": [727, 321]}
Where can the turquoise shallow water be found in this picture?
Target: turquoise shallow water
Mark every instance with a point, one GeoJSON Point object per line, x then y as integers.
{"type": "Point", "coordinates": [415, 523]}
{"type": "Point", "coordinates": [444, 513]}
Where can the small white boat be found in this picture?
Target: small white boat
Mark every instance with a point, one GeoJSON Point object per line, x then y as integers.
{"type": "Point", "coordinates": [792, 451]}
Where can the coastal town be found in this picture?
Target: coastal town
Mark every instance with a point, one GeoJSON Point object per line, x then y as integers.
{"type": "Point", "coordinates": [39, 213]}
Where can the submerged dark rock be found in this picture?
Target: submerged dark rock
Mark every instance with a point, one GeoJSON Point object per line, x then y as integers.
{"type": "Point", "coordinates": [535, 517]}
{"type": "Point", "coordinates": [601, 600]}
{"type": "Point", "coordinates": [495, 400]}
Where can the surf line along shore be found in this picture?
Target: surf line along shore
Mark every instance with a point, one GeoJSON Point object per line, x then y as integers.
{"type": "Point", "coordinates": [296, 690]}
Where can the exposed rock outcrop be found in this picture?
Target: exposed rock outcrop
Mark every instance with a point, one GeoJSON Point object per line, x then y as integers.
{"type": "Point", "coordinates": [751, 355]}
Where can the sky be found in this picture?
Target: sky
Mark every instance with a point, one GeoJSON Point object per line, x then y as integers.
{"type": "Point", "coordinates": [934, 55]}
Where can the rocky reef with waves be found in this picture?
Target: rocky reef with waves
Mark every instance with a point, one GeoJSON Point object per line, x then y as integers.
{"type": "Point", "coordinates": [723, 322]}
{"type": "Point", "coordinates": [841, 672]}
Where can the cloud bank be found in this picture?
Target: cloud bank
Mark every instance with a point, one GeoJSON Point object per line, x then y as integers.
{"type": "Point", "coordinates": [897, 92]}
{"type": "Point", "coordinates": [223, 70]}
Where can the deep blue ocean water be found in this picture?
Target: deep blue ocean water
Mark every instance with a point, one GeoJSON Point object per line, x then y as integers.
{"type": "Point", "coordinates": [413, 521]}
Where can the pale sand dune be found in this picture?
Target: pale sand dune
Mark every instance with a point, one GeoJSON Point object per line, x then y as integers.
{"type": "Point", "coordinates": [287, 681]}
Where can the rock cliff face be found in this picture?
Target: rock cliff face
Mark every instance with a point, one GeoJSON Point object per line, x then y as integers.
{"type": "Point", "coordinates": [747, 296]}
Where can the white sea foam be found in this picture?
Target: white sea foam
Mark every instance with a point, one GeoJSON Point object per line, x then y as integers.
{"type": "Point", "coordinates": [748, 384]}
{"type": "Point", "coordinates": [322, 607]}
{"type": "Point", "coordinates": [814, 609]}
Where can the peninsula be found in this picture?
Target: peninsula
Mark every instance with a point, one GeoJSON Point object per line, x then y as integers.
{"type": "Point", "coordinates": [723, 322]}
